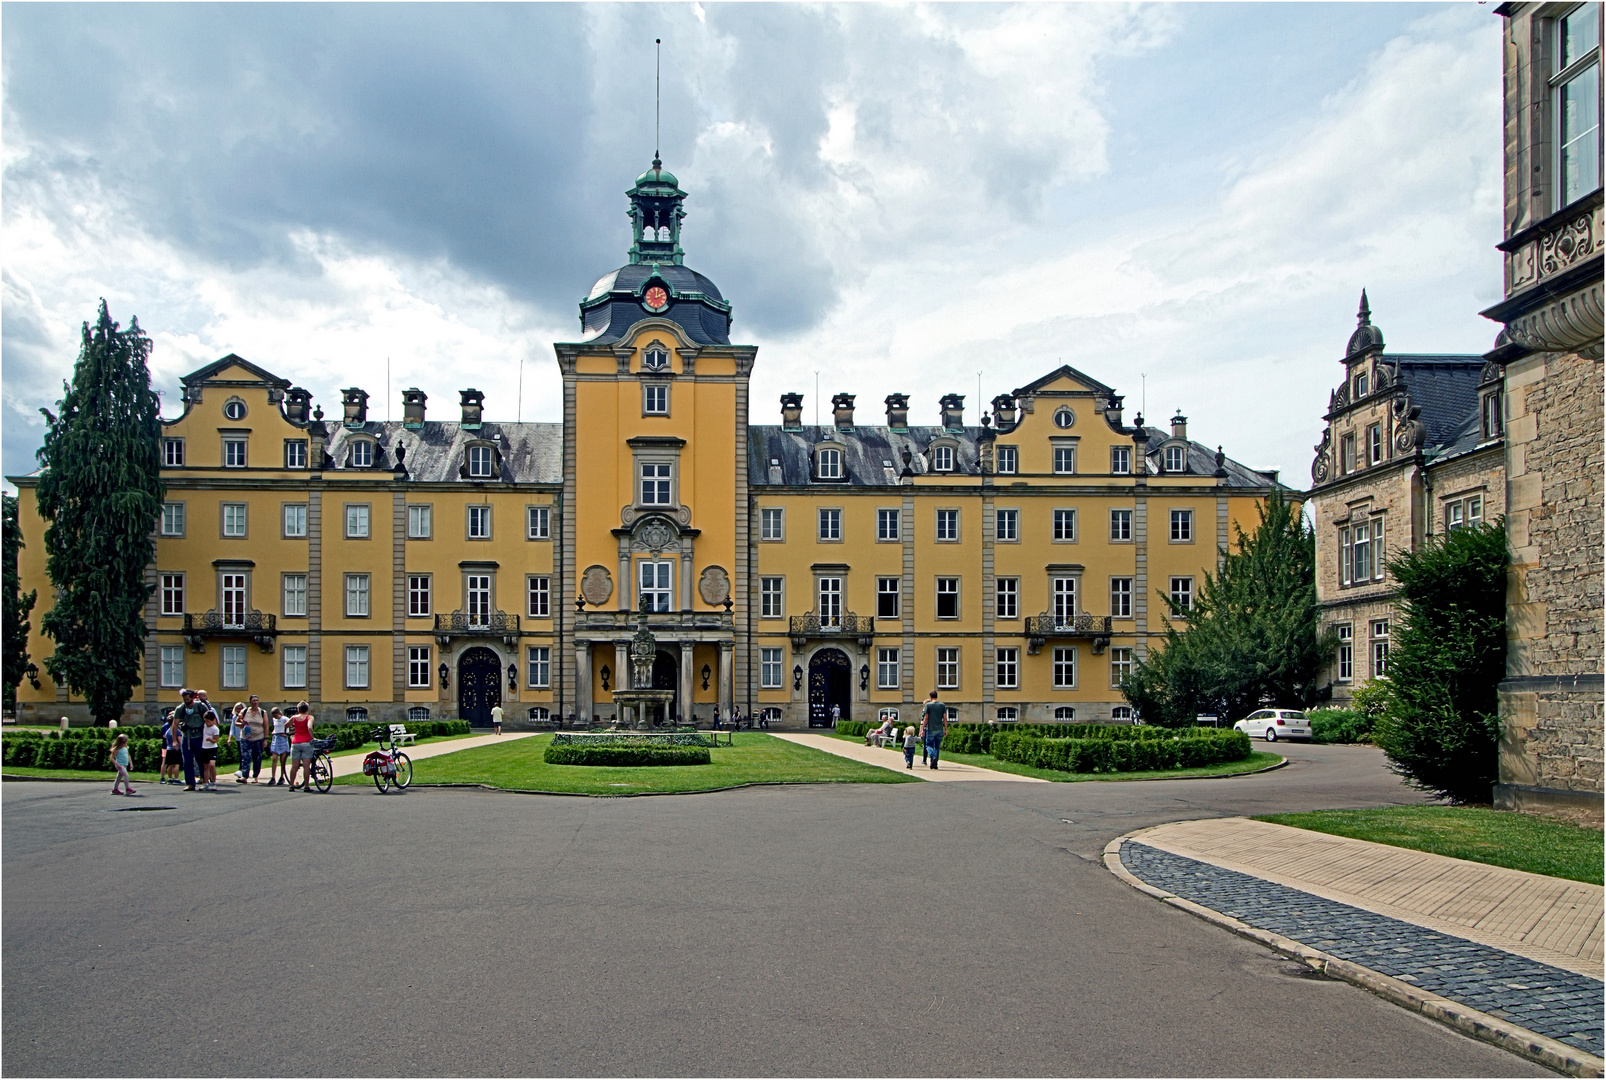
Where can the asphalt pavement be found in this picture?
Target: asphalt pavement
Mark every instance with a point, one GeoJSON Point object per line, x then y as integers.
{"type": "Point", "coordinates": [912, 929]}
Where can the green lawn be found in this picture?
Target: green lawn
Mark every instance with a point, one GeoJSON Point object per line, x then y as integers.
{"type": "Point", "coordinates": [1256, 760]}
{"type": "Point", "coordinates": [1497, 837]}
{"type": "Point", "coordinates": [756, 758]}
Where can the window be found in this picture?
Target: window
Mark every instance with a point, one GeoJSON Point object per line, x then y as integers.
{"type": "Point", "coordinates": [656, 359]}
{"type": "Point", "coordinates": [1064, 459]}
{"type": "Point", "coordinates": [769, 523]}
{"type": "Point", "coordinates": [1120, 666]}
{"type": "Point", "coordinates": [655, 399]}
{"type": "Point", "coordinates": [1064, 418]}
{"type": "Point", "coordinates": [942, 458]}
{"type": "Point", "coordinates": [829, 463]}
{"type": "Point", "coordinates": [357, 521]}
{"type": "Point", "coordinates": [479, 523]}
{"type": "Point", "coordinates": [538, 523]}
{"type": "Point", "coordinates": [1007, 713]}
{"type": "Point", "coordinates": [295, 666]}
{"type": "Point", "coordinates": [1065, 526]}
{"type": "Point", "coordinates": [1454, 515]}
{"type": "Point", "coordinates": [1181, 596]}
{"type": "Point", "coordinates": [234, 667]}
{"type": "Point", "coordinates": [1346, 453]}
{"type": "Point", "coordinates": [1121, 714]}
{"type": "Point", "coordinates": [1121, 598]}
{"type": "Point", "coordinates": [481, 460]}
{"type": "Point", "coordinates": [1120, 524]}
{"type": "Point", "coordinates": [234, 519]}
{"type": "Point", "coordinates": [948, 525]}
{"type": "Point", "coordinates": [540, 595]}
{"type": "Point", "coordinates": [295, 453]}
{"type": "Point", "coordinates": [1492, 415]}
{"type": "Point", "coordinates": [771, 604]}
{"type": "Point", "coordinates": [1361, 569]}
{"type": "Point", "coordinates": [357, 670]}
{"type": "Point", "coordinates": [1008, 458]}
{"type": "Point", "coordinates": [295, 521]}
{"type": "Point", "coordinates": [1346, 653]}
{"type": "Point", "coordinates": [948, 669]}
{"type": "Point", "coordinates": [1064, 667]}
{"type": "Point", "coordinates": [947, 598]}
{"type": "Point", "coordinates": [172, 594]}
{"type": "Point", "coordinates": [362, 454]}
{"type": "Point", "coordinates": [172, 453]}
{"type": "Point", "coordinates": [172, 665]}
{"type": "Point", "coordinates": [1181, 526]}
{"type": "Point", "coordinates": [1576, 86]}
{"type": "Point", "coordinates": [172, 519]}
{"type": "Point", "coordinates": [1120, 460]}
{"type": "Point", "coordinates": [888, 668]}
{"type": "Point", "coordinates": [1173, 459]}
{"type": "Point", "coordinates": [420, 522]}
{"type": "Point", "coordinates": [1006, 669]}
{"type": "Point", "coordinates": [1362, 384]}
{"type": "Point", "coordinates": [655, 484]}
{"type": "Point", "coordinates": [357, 595]}
{"type": "Point", "coordinates": [655, 579]}
{"type": "Point", "coordinates": [1006, 529]}
{"type": "Point", "coordinates": [234, 409]}
{"type": "Point", "coordinates": [1064, 714]}
{"type": "Point", "coordinates": [830, 524]}
{"type": "Point", "coordinates": [886, 524]}
{"type": "Point", "coordinates": [234, 453]}
{"type": "Point", "coordinates": [888, 597]}
{"type": "Point", "coordinates": [232, 590]}
{"type": "Point", "coordinates": [769, 669]}
{"type": "Point", "coordinates": [418, 667]}
{"type": "Point", "coordinates": [540, 664]}
{"type": "Point", "coordinates": [830, 601]}
{"type": "Point", "coordinates": [1380, 648]}
{"type": "Point", "coordinates": [356, 715]}
{"type": "Point", "coordinates": [1345, 555]}
{"type": "Point", "coordinates": [295, 595]}
{"type": "Point", "coordinates": [1475, 510]}
{"type": "Point", "coordinates": [477, 591]}
{"type": "Point", "coordinates": [1374, 444]}
{"type": "Point", "coordinates": [418, 712]}
{"type": "Point", "coordinates": [419, 602]}
{"type": "Point", "coordinates": [1007, 597]}
{"type": "Point", "coordinates": [1064, 601]}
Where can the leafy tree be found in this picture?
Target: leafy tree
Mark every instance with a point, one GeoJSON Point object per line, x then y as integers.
{"type": "Point", "coordinates": [101, 491]}
{"type": "Point", "coordinates": [1440, 723]}
{"type": "Point", "coordinates": [16, 606]}
{"type": "Point", "coordinates": [1251, 635]}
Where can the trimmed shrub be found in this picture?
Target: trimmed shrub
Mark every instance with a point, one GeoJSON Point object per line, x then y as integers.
{"type": "Point", "coordinates": [626, 756]}
{"type": "Point", "coordinates": [974, 738]}
{"type": "Point", "coordinates": [1185, 750]}
{"type": "Point", "coordinates": [1339, 726]}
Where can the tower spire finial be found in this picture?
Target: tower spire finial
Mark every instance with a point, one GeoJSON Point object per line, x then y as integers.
{"type": "Point", "coordinates": [657, 103]}
{"type": "Point", "coordinates": [1364, 316]}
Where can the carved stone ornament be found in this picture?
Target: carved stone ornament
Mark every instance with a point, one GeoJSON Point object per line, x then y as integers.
{"type": "Point", "coordinates": [1571, 324]}
{"type": "Point", "coordinates": [1340, 398]}
{"type": "Point", "coordinates": [683, 515]}
{"type": "Point", "coordinates": [1408, 435]}
{"type": "Point", "coordinates": [596, 585]}
{"type": "Point", "coordinates": [1320, 467]}
{"type": "Point", "coordinates": [1566, 244]}
{"type": "Point", "coordinates": [655, 535]}
{"type": "Point", "coordinates": [1384, 376]}
{"type": "Point", "coordinates": [714, 586]}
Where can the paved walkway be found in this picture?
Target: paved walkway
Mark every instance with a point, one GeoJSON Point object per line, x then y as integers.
{"type": "Point", "coordinates": [887, 758]}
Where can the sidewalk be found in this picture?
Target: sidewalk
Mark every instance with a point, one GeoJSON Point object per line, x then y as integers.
{"type": "Point", "coordinates": [348, 764]}
{"type": "Point", "coordinates": [1510, 957]}
{"type": "Point", "coordinates": [946, 771]}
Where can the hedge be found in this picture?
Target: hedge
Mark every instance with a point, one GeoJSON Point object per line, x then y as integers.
{"type": "Point", "coordinates": [1190, 751]}
{"type": "Point", "coordinates": [627, 756]}
{"type": "Point", "coordinates": [972, 738]}
{"type": "Point", "coordinates": [1339, 726]}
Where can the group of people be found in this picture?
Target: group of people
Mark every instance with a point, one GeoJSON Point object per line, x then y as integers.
{"type": "Point", "coordinates": [191, 735]}
{"type": "Point", "coordinates": [928, 740]}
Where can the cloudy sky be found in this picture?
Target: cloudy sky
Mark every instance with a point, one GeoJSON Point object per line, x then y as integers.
{"type": "Point", "coordinates": [897, 198]}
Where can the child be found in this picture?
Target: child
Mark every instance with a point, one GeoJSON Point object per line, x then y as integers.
{"type": "Point", "coordinates": [120, 759]}
{"type": "Point", "coordinates": [910, 741]}
{"type": "Point", "coordinates": [209, 735]}
{"type": "Point", "coordinates": [279, 751]}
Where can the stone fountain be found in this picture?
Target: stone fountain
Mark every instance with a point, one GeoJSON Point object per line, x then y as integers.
{"type": "Point", "coordinates": [635, 704]}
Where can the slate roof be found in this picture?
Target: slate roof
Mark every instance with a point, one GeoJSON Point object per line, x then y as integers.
{"type": "Point", "coordinates": [704, 323]}
{"type": "Point", "coordinates": [531, 453]}
{"type": "Point", "coordinates": [1465, 439]}
{"type": "Point", "coordinates": [1446, 389]}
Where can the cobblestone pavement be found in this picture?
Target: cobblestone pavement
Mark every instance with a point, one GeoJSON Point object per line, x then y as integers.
{"type": "Point", "coordinates": [1544, 999]}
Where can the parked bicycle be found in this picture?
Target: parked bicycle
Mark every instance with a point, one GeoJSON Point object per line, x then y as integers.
{"type": "Point", "coordinates": [321, 768]}
{"type": "Point", "coordinates": [388, 765]}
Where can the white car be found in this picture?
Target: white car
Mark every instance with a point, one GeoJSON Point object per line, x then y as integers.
{"type": "Point", "coordinates": [1274, 724]}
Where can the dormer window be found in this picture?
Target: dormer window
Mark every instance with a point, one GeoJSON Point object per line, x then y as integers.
{"type": "Point", "coordinates": [1361, 384]}
{"type": "Point", "coordinates": [481, 461]}
{"type": "Point", "coordinates": [655, 359]}
{"type": "Point", "coordinates": [1492, 425]}
{"type": "Point", "coordinates": [1173, 459]}
{"type": "Point", "coordinates": [942, 459]}
{"type": "Point", "coordinates": [1064, 418]}
{"type": "Point", "coordinates": [828, 464]}
{"type": "Point", "coordinates": [234, 409]}
{"type": "Point", "coordinates": [362, 454]}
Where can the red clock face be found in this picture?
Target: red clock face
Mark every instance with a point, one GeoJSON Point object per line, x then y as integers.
{"type": "Point", "coordinates": [656, 297]}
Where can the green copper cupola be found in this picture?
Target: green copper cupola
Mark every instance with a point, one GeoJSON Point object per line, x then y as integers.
{"type": "Point", "coordinates": [655, 214]}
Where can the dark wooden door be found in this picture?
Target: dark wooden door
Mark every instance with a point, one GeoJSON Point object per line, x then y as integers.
{"type": "Point", "coordinates": [829, 684]}
{"type": "Point", "coordinates": [666, 676]}
{"type": "Point", "coordinates": [479, 686]}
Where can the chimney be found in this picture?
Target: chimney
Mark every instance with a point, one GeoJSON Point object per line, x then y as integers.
{"type": "Point", "coordinates": [355, 402]}
{"type": "Point", "coordinates": [1004, 411]}
{"type": "Point", "coordinates": [842, 410]}
{"type": "Point", "coordinates": [953, 411]}
{"type": "Point", "coordinates": [297, 404]}
{"type": "Point", "coordinates": [791, 412]}
{"type": "Point", "coordinates": [473, 406]}
{"type": "Point", "coordinates": [1179, 426]}
{"type": "Point", "coordinates": [1112, 410]}
{"type": "Point", "coordinates": [413, 408]}
{"type": "Point", "coordinates": [898, 412]}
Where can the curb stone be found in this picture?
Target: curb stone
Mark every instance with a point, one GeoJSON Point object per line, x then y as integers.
{"type": "Point", "coordinates": [1469, 1021]}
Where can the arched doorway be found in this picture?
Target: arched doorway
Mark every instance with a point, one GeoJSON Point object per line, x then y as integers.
{"type": "Point", "coordinates": [666, 676]}
{"type": "Point", "coordinates": [479, 685]}
{"type": "Point", "coordinates": [830, 683]}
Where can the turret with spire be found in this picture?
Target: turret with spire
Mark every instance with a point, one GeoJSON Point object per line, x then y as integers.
{"type": "Point", "coordinates": [1367, 338]}
{"type": "Point", "coordinates": [655, 214]}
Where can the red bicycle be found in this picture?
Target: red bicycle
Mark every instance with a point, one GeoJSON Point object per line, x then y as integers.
{"type": "Point", "coordinates": [388, 765]}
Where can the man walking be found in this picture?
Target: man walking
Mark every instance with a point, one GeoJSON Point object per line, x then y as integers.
{"type": "Point", "coordinates": [190, 718]}
{"type": "Point", "coordinates": [253, 729]}
{"type": "Point", "coordinates": [935, 718]}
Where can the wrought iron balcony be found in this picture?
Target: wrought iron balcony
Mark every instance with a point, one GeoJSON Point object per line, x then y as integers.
{"type": "Point", "coordinates": [1040, 628]}
{"type": "Point", "coordinates": [847, 624]}
{"type": "Point", "coordinates": [259, 626]}
{"type": "Point", "coordinates": [476, 624]}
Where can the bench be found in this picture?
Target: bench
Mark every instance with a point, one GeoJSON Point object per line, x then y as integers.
{"type": "Point", "coordinates": [400, 735]}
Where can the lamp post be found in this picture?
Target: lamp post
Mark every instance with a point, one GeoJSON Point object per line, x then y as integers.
{"type": "Point", "coordinates": [446, 675]}
{"type": "Point", "coordinates": [606, 673]}
{"type": "Point", "coordinates": [797, 676]}
{"type": "Point", "coordinates": [513, 678]}
{"type": "Point", "coordinates": [33, 675]}
{"type": "Point", "coordinates": [864, 677]}
{"type": "Point", "coordinates": [706, 673]}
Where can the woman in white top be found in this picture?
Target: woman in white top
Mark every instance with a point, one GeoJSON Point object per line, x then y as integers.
{"type": "Point", "coordinates": [209, 737]}
{"type": "Point", "coordinates": [279, 751]}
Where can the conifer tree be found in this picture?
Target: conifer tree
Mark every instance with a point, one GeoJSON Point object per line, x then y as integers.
{"type": "Point", "coordinates": [16, 606]}
{"type": "Point", "coordinates": [101, 491]}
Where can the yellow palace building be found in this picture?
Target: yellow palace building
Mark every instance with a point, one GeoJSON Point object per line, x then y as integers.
{"type": "Point", "coordinates": [434, 568]}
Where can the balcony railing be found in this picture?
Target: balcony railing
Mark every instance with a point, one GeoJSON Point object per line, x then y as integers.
{"type": "Point", "coordinates": [847, 624]}
{"type": "Point", "coordinates": [1049, 625]}
{"type": "Point", "coordinates": [476, 624]}
{"type": "Point", "coordinates": [259, 626]}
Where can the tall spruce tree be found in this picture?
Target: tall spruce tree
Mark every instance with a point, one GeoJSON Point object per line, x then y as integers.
{"type": "Point", "coordinates": [1251, 635]}
{"type": "Point", "coordinates": [15, 606]}
{"type": "Point", "coordinates": [101, 491]}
